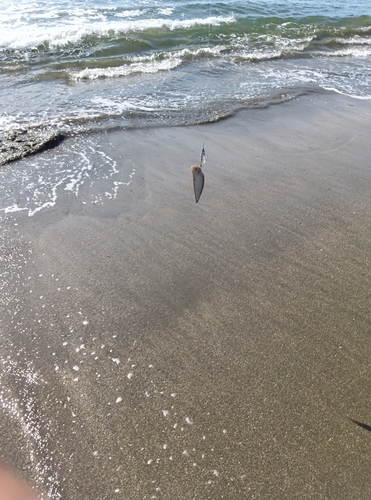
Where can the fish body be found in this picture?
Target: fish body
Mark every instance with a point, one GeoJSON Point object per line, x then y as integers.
{"type": "Point", "coordinates": [198, 181]}
{"type": "Point", "coordinates": [198, 176]}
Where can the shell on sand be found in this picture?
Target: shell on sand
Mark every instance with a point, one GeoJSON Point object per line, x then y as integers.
{"type": "Point", "coordinates": [198, 181]}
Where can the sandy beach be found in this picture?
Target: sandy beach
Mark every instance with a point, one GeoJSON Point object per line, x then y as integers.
{"type": "Point", "coordinates": [155, 348]}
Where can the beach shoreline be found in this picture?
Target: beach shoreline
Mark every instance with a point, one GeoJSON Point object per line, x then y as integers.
{"type": "Point", "coordinates": [153, 347]}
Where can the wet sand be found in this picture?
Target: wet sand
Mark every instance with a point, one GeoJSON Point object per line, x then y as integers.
{"type": "Point", "coordinates": [152, 347]}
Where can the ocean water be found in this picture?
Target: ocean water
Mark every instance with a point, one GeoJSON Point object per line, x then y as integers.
{"type": "Point", "coordinates": [68, 67]}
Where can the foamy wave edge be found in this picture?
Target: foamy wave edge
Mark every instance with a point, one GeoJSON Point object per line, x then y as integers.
{"type": "Point", "coordinates": [60, 36]}
{"type": "Point", "coordinates": [140, 67]}
{"type": "Point", "coordinates": [151, 64]}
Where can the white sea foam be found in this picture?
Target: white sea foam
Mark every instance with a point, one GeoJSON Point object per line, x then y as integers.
{"type": "Point", "coordinates": [40, 184]}
{"type": "Point", "coordinates": [116, 106]}
{"type": "Point", "coordinates": [130, 13]}
{"type": "Point", "coordinates": [166, 12]}
{"type": "Point", "coordinates": [24, 36]}
{"type": "Point", "coordinates": [267, 47]}
{"type": "Point", "coordinates": [146, 64]}
{"type": "Point", "coordinates": [350, 94]}
{"type": "Point", "coordinates": [114, 72]}
{"type": "Point", "coordinates": [353, 51]}
{"type": "Point", "coordinates": [356, 40]}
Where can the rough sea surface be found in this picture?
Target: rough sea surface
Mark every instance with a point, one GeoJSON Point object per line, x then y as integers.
{"type": "Point", "coordinates": [68, 67]}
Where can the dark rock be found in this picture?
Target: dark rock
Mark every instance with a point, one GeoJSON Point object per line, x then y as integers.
{"type": "Point", "coordinates": [21, 143]}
